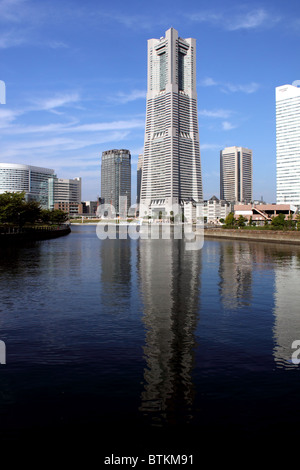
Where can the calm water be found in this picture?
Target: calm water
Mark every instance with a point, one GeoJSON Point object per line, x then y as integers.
{"type": "Point", "coordinates": [142, 339]}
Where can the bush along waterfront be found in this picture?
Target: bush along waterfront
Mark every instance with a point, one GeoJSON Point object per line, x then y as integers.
{"type": "Point", "coordinates": [279, 222]}
{"type": "Point", "coordinates": [21, 219]}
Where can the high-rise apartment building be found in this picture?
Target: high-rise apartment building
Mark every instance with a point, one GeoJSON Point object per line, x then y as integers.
{"type": "Point", "coordinates": [139, 178]}
{"type": "Point", "coordinates": [288, 144]}
{"type": "Point", "coordinates": [236, 174]}
{"type": "Point", "coordinates": [116, 179]}
{"type": "Point", "coordinates": [34, 181]}
{"type": "Point", "coordinates": [171, 161]}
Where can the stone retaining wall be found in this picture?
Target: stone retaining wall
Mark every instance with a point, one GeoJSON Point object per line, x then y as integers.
{"type": "Point", "coordinates": [289, 237]}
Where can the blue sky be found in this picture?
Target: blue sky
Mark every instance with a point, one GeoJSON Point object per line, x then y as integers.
{"type": "Point", "coordinates": [76, 78]}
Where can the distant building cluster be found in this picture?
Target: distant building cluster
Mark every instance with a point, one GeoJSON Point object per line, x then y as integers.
{"type": "Point", "coordinates": [169, 169]}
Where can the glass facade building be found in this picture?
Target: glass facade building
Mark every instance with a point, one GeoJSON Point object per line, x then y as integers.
{"type": "Point", "coordinates": [116, 179]}
{"type": "Point", "coordinates": [34, 181]}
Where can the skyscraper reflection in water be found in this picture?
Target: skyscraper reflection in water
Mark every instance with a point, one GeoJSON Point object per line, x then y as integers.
{"type": "Point", "coordinates": [235, 275]}
{"type": "Point", "coordinates": [169, 279]}
{"type": "Point", "coordinates": [286, 309]}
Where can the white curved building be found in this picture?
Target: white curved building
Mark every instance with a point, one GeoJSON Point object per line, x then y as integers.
{"type": "Point", "coordinates": [33, 180]}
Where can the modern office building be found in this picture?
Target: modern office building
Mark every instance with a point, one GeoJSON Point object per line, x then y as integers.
{"type": "Point", "coordinates": [171, 160]}
{"type": "Point", "coordinates": [288, 145]}
{"type": "Point", "coordinates": [66, 194]}
{"type": "Point", "coordinates": [236, 174]}
{"type": "Point", "coordinates": [67, 190]}
{"type": "Point", "coordinates": [116, 179]}
{"type": "Point", "coordinates": [33, 180]}
{"type": "Point", "coordinates": [139, 178]}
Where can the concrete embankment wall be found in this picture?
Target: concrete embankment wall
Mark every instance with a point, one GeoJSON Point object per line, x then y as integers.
{"type": "Point", "coordinates": [32, 235]}
{"type": "Point", "coordinates": [292, 237]}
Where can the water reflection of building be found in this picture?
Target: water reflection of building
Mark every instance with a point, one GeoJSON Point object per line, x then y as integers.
{"type": "Point", "coordinates": [286, 309]}
{"type": "Point", "coordinates": [115, 262]}
{"type": "Point", "coordinates": [235, 274]}
{"type": "Point", "coordinates": [169, 277]}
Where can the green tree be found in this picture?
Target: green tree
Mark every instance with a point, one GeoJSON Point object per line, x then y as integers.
{"type": "Point", "coordinates": [241, 222]}
{"type": "Point", "coordinates": [230, 220]}
{"type": "Point", "coordinates": [57, 216]}
{"type": "Point", "coordinates": [290, 222]}
{"type": "Point", "coordinates": [15, 210]}
{"type": "Point", "coordinates": [45, 216]}
{"type": "Point", "coordinates": [278, 222]}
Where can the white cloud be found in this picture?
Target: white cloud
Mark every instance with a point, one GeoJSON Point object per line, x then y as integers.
{"type": "Point", "coordinates": [35, 149]}
{"type": "Point", "coordinates": [216, 113]}
{"type": "Point", "coordinates": [237, 20]}
{"type": "Point", "coordinates": [58, 45]}
{"type": "Point", "coordinates": [7, 116]}
{"type": "Point", "coordinates": [12, 39]}
{"type": "Point", "coordinates": [57, 101]}
{"type": "Point", "coordinates": [10, 10]}
{"type": "Point", "coordinates": [105, 126]}
{"type": "Point", "coordinates": [208, 82]}
{"type": "Point", "coordinates": [210, 146]}
{"type": "Point", "coordinates": [123, 98]}
{"type": "Point", "coordinates": [231, 87]}
{"type": "Point", "coordinates": [228, 126]}
{"type": "Point", "coordinates": [71, 127]}
{"type": "Point", "coordinates": [252, 19]}
{"type": "Point", "coordinates": [247, 88]}
{"type": "Point", "coordinates": [206, 17]}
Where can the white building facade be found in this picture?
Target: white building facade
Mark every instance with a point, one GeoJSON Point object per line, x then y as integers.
{"type": "Point", "coordinates": [214, 210]}
{"type": "Point", "coordinates": [236, 174]}
{"type": "Point", "coordinates": [34, 181]}
{"type": "Point", "coordinates": [288, 145]}
{"type": "Point", "coordinates": [171, 159]}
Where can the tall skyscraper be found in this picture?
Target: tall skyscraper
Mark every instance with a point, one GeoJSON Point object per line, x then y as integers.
{"type": "Point", "coordinates": [139, 178]}
{"type": "Point", "coordinates": [116, 179]}
{"type": "Point", "coordinates": [171, 166]}
{"type": "Point", "coordinates": [236, 174]}
{"type": "Point", "coordinates": [288, 144]}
